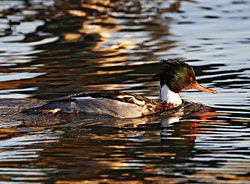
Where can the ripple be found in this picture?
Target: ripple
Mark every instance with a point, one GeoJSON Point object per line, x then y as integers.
{"type": "Point", "coordinates": [18, 76]}
{"type": "Point", "coordinates": [50, 49]}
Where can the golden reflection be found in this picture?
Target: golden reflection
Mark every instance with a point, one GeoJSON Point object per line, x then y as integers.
{"type": "Point", "coordinates": [112, 49]}
{"type": "Point", "coordinates": [242, 120]}
{"type": "Point", "coordinates": [166, 180]}
{"type": "Point", "coordinates": [217, 174]}
{"type": "Point", "coordinates": [105, 86]}
{"type": "Point", "coordinates": [102, 72]}
{"type": "Point", "coordinates": [107, 44]}
{"type": "Point", "coordinates": [98, 181]}
{"type": "Point", "coordinates": [72, 37]}
{"type": "Point", "coordinates": [116, 156]}
{"type": "Point", "coordinates": [77, 13]}
{"type": "Point", "coordinates": [105, 26]}
{"type": "Point", "coordinates": [100, 6]}
{"type": "Point", "coordinates": [154, 154]}
{"type": "Point", "coordinates": [101, 35]}
{"type": "Point", "coordinates": [16, 84]}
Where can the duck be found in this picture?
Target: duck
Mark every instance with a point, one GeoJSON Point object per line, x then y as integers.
{"type": "Point", "coordinates": [175, 76]}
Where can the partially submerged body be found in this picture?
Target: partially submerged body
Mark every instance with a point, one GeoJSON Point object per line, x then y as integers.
{"type": "Point", "coordinates": [113, 103]}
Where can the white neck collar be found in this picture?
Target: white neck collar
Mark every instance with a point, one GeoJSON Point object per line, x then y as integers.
{"type": "Point", "coordinates": [169, 96]}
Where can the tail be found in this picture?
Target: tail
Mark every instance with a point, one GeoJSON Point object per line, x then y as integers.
{"type": "Point", "coordinates": [40, 110]}
{"type": "Point", "coordinates": [52, 107]}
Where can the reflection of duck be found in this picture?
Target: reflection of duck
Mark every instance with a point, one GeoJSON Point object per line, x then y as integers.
{"type": "Point", "coordinates": [175, 77]}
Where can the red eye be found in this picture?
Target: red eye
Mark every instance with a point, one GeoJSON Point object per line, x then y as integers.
{"type": "Point", "coordinates": [191, 79]}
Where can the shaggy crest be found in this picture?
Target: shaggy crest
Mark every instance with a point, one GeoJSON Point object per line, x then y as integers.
{"type": "Point", "coordinates": [177, 74]}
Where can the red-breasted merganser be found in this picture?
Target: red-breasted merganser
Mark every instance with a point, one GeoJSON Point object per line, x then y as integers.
{"type": "Point", "coordinates": [175, 76]}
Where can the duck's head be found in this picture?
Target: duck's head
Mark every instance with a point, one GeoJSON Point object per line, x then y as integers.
{"type": "Point", "coordinates": [179, 76]}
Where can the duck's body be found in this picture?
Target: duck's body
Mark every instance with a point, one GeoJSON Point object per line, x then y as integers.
{"type": "Point", "coordinates": [175, 77]}
{"type": "Point", "coordinates": [113, 103]}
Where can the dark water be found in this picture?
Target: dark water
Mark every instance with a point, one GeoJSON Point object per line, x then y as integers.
{"type": "Point", "coordinates": [53, 48]}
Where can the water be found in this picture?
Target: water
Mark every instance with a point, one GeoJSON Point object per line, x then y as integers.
{"type": "Point", "coordinates": [49, 49]}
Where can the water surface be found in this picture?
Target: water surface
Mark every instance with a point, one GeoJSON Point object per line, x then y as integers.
{"type": "Point", "coordinates": [50, 49]}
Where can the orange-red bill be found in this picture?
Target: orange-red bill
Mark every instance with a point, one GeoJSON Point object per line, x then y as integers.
{"type": "Point", "coordinates": [197, 86]}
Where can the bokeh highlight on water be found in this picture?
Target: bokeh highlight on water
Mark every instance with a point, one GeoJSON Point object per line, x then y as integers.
{"type": "Point", "coordinates": [52, 48]}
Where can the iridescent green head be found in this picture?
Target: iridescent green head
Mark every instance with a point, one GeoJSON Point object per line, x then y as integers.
{"type": "Point", "coordinates": [177, 75]}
